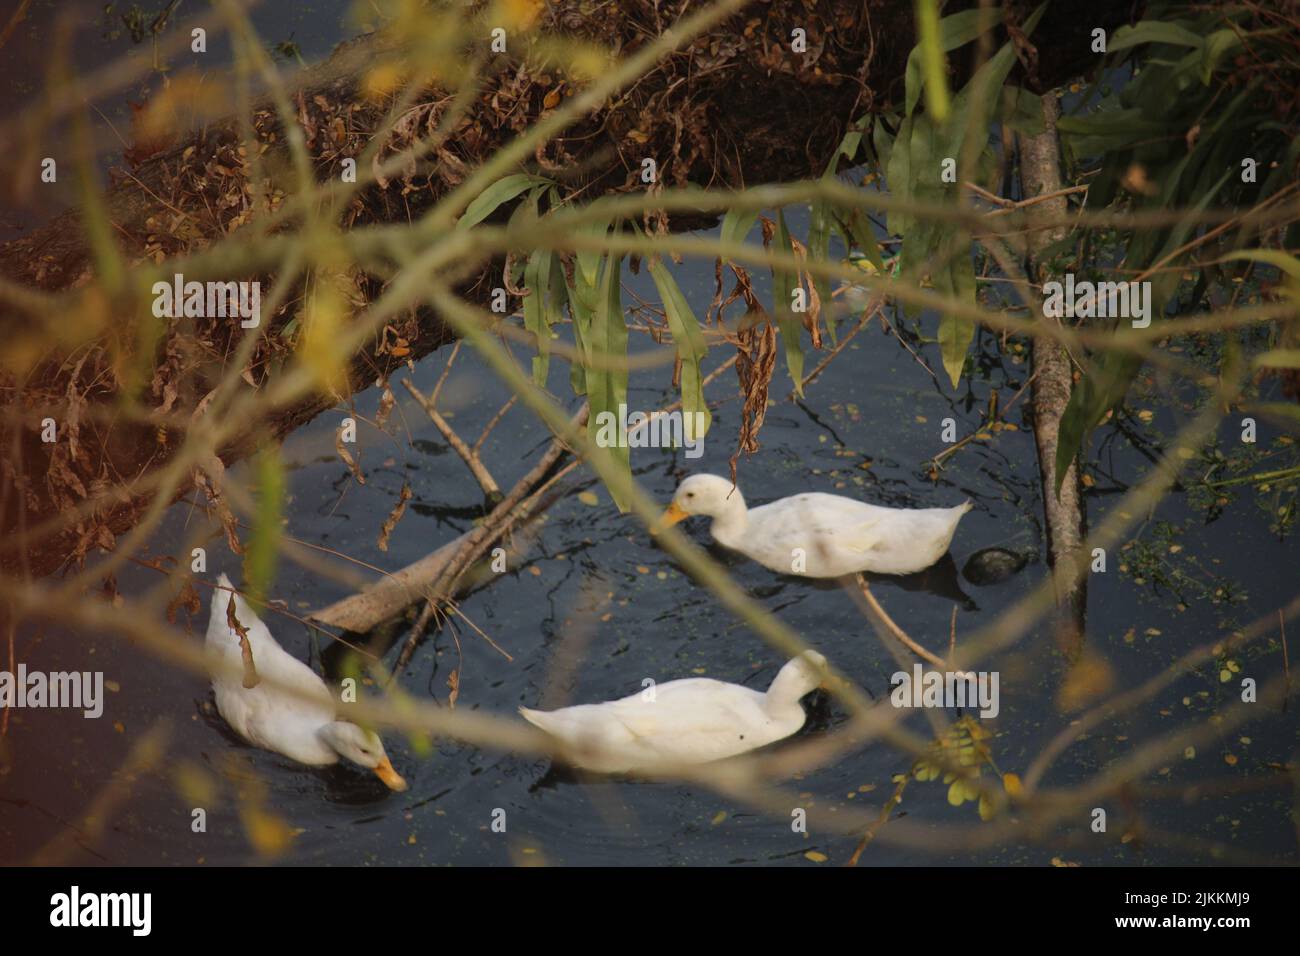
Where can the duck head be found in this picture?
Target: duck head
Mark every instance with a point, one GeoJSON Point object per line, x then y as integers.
{"type": "Point", "coordinates": [800, 676]}
{"type": "Point", "coordinates": [363, 748]}
{"type": "Point", "coordinates": [709, 495]}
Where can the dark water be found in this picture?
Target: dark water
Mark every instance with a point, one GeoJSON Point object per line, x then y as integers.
{"type": "Point", "coordinates": [864, 430]}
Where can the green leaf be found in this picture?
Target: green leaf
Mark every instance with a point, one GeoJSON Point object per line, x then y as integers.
{"type": "Point", "coordinates": [1022, 111]}
{"type": "Point", "coordinates": [1217, 45]}
{"type": "Point", "coordinates": [582, 298]}
{"type": "Point", "coordinates": [537, 280]}
{"type": "Point", "coordinates": [1272, 257]}
{"type": "Point", "coordinates": [850, 143]}
{"type": "Point", "coordinates": [1102, 388]}
{"type": "Point", "coordinates": [957, 332]}
{"type": "Point", "coordinates": [933, 68]}
{"type": "Point", "coordinates": [819, 248]}
{"type": "Point", "coordinates": [501, 191]}
{"type": "Point", "coordinates": [737, 223]}
{"type": "Point", "coordinates": [859, 235]}
{"type": "Point", "coordinates": [606, 384]}
{"type": "Point", "coordinates": [898, 179]}
{"type": "Point", "coordinates": [1285, 412]}
{"type": "Point", "coordinates": [1279, 358]}
{"type": "Point", "coordinates": [264, 542]}
{"type": "Point", "coordinates": [882, 143]}
{"type": "Point", "coordinates": [691, 349]}
{"type": "Point", "coordinates": [783, 284]}
{"type": "Point", "coordinates": [1153, 31]}
{"type": "Point", "coordinates": [953, 31]}
{"type": "Point", "coordinates": [589, 259]}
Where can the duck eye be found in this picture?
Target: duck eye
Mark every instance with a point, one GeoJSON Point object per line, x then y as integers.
{"type": "Point", "coordinates": [690, 494]}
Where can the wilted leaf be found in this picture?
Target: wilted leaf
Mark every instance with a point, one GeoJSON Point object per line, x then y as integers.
{"type": "Point", "coordinates": [251, 679]}
{"type": "Point", "coordinates": [340, 447]}
{"type": "Point", "coordinates": [394, 516]}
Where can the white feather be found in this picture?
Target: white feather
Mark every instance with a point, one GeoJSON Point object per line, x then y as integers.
{"type": "Point", "coordinates": [828, 535]}
{"type": "Point", "coordinates": [690, 721]}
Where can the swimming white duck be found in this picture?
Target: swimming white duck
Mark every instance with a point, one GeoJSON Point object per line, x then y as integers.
{"type": "Point", "coordinates": [818, 535]}
{"type": "Point", "coordinates": [303, 727]}
{"type": "Point", "coordinates": [692, 721]}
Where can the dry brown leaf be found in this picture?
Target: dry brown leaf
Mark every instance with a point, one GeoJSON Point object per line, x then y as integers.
{"type": "Point", "coordinates": [394, 516]}
{"type": "Point", "coordinates": [251, 679]}
{"type": "Point", "coordinates": [453, 682]}
{"type": "Point", "coordinates": [812, 317]}
{"type": "Point", "coordinates": [347, 458]}
{"type": "Point", "coordinates": [755, 363]}
{"type": "Point", "coordinates": [209, 477]}
{"type": "Point", "coordinates": [386, 403]}
{"type": "Point", "coordinates": [187, 598]}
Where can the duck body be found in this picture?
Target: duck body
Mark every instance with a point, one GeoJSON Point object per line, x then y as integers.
{"type": "Point", "coordinates": [820, 535]}
{"type": "Point", "coordinates": [290, 710]}
{"type": "Point", "coordinates": [693, 721]}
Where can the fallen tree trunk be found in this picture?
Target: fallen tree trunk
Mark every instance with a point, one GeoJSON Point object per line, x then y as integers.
{"type": "Point", "coordinates": [736, 106]}
{"type": "Point", "coordinates": [434, 576]}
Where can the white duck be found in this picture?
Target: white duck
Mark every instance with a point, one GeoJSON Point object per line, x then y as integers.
{"type": "Point", "coordinates": [302, 726]}
{"type": "Point", "coordinates": [690, 721]}
{"type": "Point", "coordinates": [818, 535]}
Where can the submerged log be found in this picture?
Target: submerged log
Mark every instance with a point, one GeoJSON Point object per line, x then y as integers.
{"type": "Point", "coordinates": [734, 107]}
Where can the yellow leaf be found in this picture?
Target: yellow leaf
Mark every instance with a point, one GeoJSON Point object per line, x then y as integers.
{"type": "Point", "coordinates": [816, 857]}
{"type": "Point", "coordinates": [383, 80]}
{"type": "Point", "coordinates": [269, 834]}
{"type": "Point", "coordinates": [1011, 784]}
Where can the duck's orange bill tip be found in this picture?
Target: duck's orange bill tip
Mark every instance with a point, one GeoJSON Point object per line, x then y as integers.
{"type": "Point", "coordinates": [671, 516]}
{"type": "Point", "coordinates": [392, 779]}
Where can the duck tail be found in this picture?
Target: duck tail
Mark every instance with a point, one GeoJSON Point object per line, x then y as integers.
{"type": "Point", "coordinates": [547, 720]}
{"type": "Point", "coordinates": [966, 506]}
{"type": "Point", "coordinates": [221, 595]}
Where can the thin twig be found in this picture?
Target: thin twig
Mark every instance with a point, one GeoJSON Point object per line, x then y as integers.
{"type": "Point", "coordinates": [897, 632]}
{"type": "Point", "coordinates": [467, 454]}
